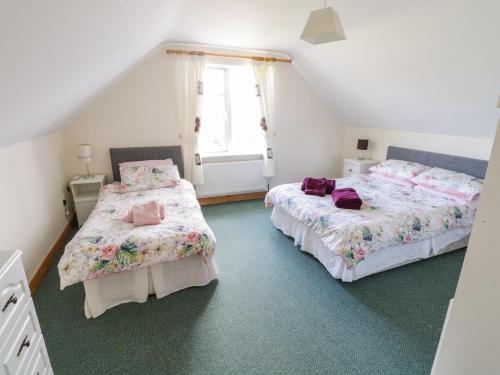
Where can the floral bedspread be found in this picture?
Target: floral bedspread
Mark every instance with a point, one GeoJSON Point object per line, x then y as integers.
{"type": "Point", "coordinates": [107, 244]}
{"type": "Point", "coordinates": [391, 215]}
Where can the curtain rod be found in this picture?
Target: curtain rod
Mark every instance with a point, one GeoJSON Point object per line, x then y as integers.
{"type": "Point", "coordinates": [203, 53]}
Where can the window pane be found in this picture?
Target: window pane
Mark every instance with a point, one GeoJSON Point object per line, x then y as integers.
{"type": "Point", "coordinates": [213, 132]}
{"type": "Point", "coordinates": [230, 89]}
{"type": "Point", "coordinates": [214, 81]}
{"type": "Point", "coordinates": [245, 111]}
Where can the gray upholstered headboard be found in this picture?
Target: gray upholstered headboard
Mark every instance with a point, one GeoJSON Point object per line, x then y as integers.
{"type": "Point", "coordinates": [472, 167]}
{"type": "Point", "coordinates": [124, 154]}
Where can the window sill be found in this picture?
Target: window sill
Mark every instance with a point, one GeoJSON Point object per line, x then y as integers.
{"type": "Point", "coordinates": [229, 157]}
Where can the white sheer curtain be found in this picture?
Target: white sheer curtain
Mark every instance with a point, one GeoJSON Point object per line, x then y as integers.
{"type": "Point", "coordinates": [189, 87]}
{"type": "Point", "coordinates": [264, 77]}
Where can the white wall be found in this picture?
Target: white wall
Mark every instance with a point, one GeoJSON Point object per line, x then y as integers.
{"type": "Point", "coordinates": [31, 195]}
{"type": "Point", "coordinates": [140, 110]}
{"type": "Point", "coordinates": [309, 136]}
{"type": "Point", "coordinates": [471, 341]}
{"type": "Point", "coordinates": [137, 110]}
{"type": "Point", "coordinates": [380, 139]}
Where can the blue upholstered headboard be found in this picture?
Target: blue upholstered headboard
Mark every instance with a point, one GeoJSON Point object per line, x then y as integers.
{"type": "Point", "coordinates": [124, 154]}
{"type": "Point", "coordinates": [472, 167]}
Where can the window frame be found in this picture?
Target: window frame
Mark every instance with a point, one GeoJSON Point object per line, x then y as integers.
{"type": "Point", "coordinates": [229, 147]}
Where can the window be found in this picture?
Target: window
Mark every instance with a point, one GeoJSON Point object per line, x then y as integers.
{"type": "Point", "coordinates": [231, 112]}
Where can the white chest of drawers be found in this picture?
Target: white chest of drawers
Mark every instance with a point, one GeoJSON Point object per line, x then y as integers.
{"type": "Point", "coordinates": [22, 348]}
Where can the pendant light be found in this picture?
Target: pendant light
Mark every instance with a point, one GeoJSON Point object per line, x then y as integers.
{"type": "Point", "coordinates": [323, 26]}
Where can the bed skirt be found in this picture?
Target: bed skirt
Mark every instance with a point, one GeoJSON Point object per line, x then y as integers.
{"type": "Point", "coordinates": [135, 285]}
{"type": "Point", "coordinates": [381, 260]}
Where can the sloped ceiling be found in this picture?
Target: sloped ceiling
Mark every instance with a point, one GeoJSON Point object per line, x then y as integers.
{"type": "Point", "coordinates": [429, 65]}
{"type": "Point", "coordinates": [56, 54]}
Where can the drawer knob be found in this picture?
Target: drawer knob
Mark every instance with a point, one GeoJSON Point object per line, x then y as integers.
{"type": "Point", "coordinates": [12, 299]}
{"type": "Point", "coordinates": [25, 344]}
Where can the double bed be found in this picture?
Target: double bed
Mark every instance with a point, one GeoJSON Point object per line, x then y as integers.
{"type": "Point", "coordinates": [397, 224]}
{"type": "Point", "coordinates": [120, 263]}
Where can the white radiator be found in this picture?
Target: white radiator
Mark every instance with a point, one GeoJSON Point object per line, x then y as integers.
{"type": "Point", "coordinates": [234, 177]}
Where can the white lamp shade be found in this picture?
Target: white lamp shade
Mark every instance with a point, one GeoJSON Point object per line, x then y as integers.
{"type": "Point", "coordinates": [85, 152]}
{"type": "Point", "coordinates": [323, 26]}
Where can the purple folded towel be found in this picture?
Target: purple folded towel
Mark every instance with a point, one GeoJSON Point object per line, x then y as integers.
{"type": "Point", "coordinates": [347, 198]}
{"type": "Point", "coordinates": [315, 187]}
{"type": "Point", "coordinates": [304, 183]}
{"type": "Point", "coordinates": [330, 185]}
{"type": "Point", "coordinates": [312, 182]}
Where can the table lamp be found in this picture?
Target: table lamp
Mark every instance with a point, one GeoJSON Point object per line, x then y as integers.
{"type": "Point", "coordinates": [362, 146]}
{"type": "Point", "coordinates": [85, 154]}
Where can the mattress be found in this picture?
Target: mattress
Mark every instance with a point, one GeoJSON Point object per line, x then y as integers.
{"type": "Point", "coordinates": [395, 226]}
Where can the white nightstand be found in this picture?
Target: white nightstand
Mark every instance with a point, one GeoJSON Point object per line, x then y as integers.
{"type": "Point", "coordinates": [353, 167]}
{"type": "Point", "coordinates": [85, 192]}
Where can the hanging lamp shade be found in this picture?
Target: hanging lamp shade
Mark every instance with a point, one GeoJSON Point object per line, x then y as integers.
{"type": "Point", "coordinates": [323, 26]}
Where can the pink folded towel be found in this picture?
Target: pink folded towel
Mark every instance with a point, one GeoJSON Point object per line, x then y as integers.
{"type": "Point", "coordinates": [149, 213]}
{"type": "Point", "coordinates": [347, 198]}
{"type": "Point", "coordinates": [314, 186]}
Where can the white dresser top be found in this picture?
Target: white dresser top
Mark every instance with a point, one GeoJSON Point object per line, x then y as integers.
{"type": "Point", "coordinates": [6, 258]}
{"type": "Point", "coordinates": [94, 179]}
{"type": "Point", "coordinates": [361, 161]}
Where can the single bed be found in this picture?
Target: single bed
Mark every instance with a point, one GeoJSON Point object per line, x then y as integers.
{"type": "Point", "coordinates": [120, 263]}
{"type": "Point", "coordinates": [397, 225]}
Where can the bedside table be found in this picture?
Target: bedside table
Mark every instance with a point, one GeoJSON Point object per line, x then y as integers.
{"type": "Point", "coordinates": [85, 192]}
{"type": "Point", "coordinates": [354, 167]}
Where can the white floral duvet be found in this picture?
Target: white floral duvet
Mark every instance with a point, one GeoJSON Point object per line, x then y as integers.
{"type": "Point", "coordinates": [107, 244]}
{"type": "Point", "coordinates": [391, 215]}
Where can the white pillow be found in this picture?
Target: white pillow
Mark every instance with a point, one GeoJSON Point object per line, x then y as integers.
{"type": "Point", "coordinates": [383, 178]}
{"type": "Point", "coordinates": [135, 178]}
{"type": "Point", "coordinates": [399, 169]}
{"type": "Point", "coordinates": [453, 183]}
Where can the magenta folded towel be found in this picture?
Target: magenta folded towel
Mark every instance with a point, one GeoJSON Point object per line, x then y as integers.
{"type": "Point", "coordinates": [311, 183]}
{"type": "Point", "coordinates": [315, 187]}
{"type": "Point", "coordinates": [347, 198]}
{"type": "Point", "coordinates": [149, 213]}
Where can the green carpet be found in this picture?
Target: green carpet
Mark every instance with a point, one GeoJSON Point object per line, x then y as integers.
{"type": "Point", "coordinates": [274, 310]}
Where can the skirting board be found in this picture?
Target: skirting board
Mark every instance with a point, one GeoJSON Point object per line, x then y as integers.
{"type": "Point", "coordinates": [40, 273]}
{"type": "Point", "coordinates": [232, 198]}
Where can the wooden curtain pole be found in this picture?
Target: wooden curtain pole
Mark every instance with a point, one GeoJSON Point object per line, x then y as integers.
{"type": "Point", "coordinates": [203, 53]}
